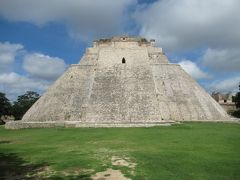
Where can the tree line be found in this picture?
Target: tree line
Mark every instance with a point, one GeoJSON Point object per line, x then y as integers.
{"type": "Point", "coordinates": [236, 99]}
{"type": "Point", "coordinates": [19, 107]}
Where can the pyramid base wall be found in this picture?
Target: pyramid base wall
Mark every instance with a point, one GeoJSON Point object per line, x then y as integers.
{"type": "Point", "coordinates": [77, 124]}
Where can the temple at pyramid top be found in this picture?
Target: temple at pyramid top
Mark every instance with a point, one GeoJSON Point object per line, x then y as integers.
{"type": "Point", "coordinates": [138, 41]}
{"type": "Point", "coordinates": [131, 49]}
{"type": "Point", "coordinates": [122, 82]}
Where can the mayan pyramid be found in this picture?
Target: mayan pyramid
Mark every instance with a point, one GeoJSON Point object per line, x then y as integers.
{"type": "Point", "coordinates": [122, 82]}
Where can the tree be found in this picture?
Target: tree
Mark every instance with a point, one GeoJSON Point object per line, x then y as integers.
{"type": "Point", "coordinates": [23, 103]}
{"type": "Point", "coordinates": [5, 105]}
{"type": "Point", "coordinates": [236, 98]}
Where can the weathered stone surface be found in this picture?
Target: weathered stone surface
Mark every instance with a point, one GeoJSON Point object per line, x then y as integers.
{"type": "Point", "coordinates": [102, 91]}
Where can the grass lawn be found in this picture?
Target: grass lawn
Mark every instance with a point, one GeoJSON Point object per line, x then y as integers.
{"type": "Point", "coordinates": [184, 151]}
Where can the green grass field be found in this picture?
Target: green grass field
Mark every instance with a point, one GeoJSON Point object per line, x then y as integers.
{"type": "Point", "coordinates": [184, 151]}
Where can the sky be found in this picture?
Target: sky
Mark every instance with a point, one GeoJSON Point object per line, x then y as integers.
{"type": "Point", "coordinates": [39, 39]}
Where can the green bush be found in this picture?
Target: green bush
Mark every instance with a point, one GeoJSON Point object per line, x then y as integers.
{"type": "Point", "coordinates": [235, 113]}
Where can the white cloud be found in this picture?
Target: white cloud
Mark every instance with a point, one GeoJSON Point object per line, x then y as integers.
{"type": "Point", "coordinates": [226, 85]}
{"type": "Point", "coordinates": [8, 52]}
{"type": "Point", "coordinates": [85, 18]}
{"type": "Point", "coordinates": [192, 69]}
{"type": "Point", "coordinates": [43, 66]}
{"type": "Point", "coordinates": [40, 70]}
{"type": "Point", "coordinates": [225, 60]}
{"type": "Point", "coordinates": [188, 24]}
{"type": "Point", "coordinates": [14, 84]}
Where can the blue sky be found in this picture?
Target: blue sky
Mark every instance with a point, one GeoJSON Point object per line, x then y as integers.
{"type": "Point", "coordinates": [39, 39]}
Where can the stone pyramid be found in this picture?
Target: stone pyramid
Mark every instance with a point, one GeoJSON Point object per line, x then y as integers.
{"type": "Point", "coordinates": [122, 82]}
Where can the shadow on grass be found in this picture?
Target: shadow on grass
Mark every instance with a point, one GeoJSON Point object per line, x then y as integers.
{"type": "Point", "coordinates": [14, 167]}
{"type": "Point", "coordinates": [4, 142]}
{"type": "Point", "coordinates": [73, 177]}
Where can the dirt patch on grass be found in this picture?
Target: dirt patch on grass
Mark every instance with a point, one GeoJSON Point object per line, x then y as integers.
{"type": "Point", "coordinates": [76, 171]}
{"type": "Point", "coordinates": [109, 174]}
{"type": "Point", "coordinates": [43, 172]}
{"type": "Point", "coordinates": [113, 174]}
{"type": "Point", "coordinates": [125, 161]}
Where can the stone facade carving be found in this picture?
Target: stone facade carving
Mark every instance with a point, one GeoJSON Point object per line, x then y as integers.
{"type": "Point", "coordinates": [225, 100]}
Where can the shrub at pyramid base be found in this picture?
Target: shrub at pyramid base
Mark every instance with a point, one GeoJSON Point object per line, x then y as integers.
{"type": "Point", "coordinates": [122, 82]}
